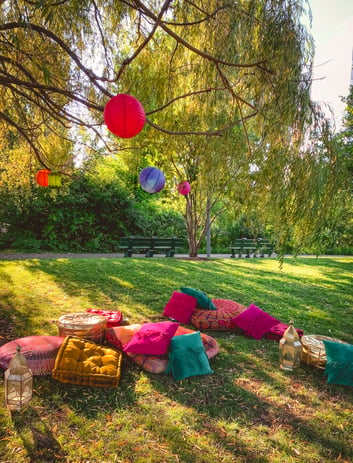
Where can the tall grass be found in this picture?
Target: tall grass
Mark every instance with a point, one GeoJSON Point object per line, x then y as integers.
{"type": "Point", "coordinates": [247, 411]}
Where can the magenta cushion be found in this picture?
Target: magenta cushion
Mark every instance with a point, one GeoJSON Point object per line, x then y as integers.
{"type": "Point", "coordinates": [152, 338]}
{"type": "Point", "coordinates": [180, 307]}
{"type": "Point", "coordinates": [255, 322]}
{"type": "Point", "coordinates": [39, 351]}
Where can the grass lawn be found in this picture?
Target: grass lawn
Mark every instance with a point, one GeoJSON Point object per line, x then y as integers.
{"type": "Point", "coordinates": [247, 411]}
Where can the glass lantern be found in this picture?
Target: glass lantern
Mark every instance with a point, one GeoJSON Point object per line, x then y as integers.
{"type": "Point", "coordinates": [290, 349]}
{"type": "Point", "coordinates": [18, 383]}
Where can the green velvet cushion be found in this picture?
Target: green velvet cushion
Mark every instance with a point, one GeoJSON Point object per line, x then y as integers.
{"type": "Point", "coordinates": [339, 365]}
{"type": "Point", "coordinates": [203, 300]}
{"type": "Point", "coordinates": [187, 356]}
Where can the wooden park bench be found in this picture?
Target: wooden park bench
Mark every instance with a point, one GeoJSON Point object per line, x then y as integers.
{"type": "Point", "coordinates": [149, 245]}
{"type": "Point", "coordinates": [257, 247]}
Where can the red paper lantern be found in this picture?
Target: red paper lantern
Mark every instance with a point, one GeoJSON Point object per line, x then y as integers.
{"type": "Point", "coordinates": [184, 188]}
{"type": "Point", "coordinates": [42, 177]}
{"type": "Point", "coordinates": [124, 116]}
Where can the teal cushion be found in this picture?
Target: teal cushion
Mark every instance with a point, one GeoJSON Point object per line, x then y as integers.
{"type": "Point", "coordinates": [339, 364]}
{"type": "Point", "coordinates": [203, 300]}
{"type": "Point", "coordinates": [187, 356]}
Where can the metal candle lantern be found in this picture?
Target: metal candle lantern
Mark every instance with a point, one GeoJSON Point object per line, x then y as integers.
{"type": "Point", "coordinates": [18, 382]}
{"type": "Point", "coordinates": [290, 349]}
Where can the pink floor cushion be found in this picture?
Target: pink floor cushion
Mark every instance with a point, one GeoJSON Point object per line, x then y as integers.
{"type": "Point", "coordinates": [119, 336]}
{"type": "Point", "coordinates": [152, 338]}
{"type": "Point", "coordinates": [219, 319]}
{"type": "Point", "coordinates": [257, 323]}
{"type": "Point", "coordinates": [39, 351]}
{"type": "Point", "coordinates": [180, 307]}
{"type": "Point", "coordinates": [114, 318]}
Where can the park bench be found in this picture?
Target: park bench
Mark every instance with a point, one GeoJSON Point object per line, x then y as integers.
{"type": "Point", "coordinates": [149, 245]}
{"type": "Point", "coordinates": [257, 247]}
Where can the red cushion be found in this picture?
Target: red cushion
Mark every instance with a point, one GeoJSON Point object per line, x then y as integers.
{"type": "Point", "coordinates": [114, 318]}
{"type": "Point", "coordinates": [180, 307]}
{"type": "Point", "coordinates": [152, 338]}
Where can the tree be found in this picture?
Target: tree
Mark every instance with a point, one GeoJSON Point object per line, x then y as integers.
{"type": "Point", "coordinates": [225, 85]}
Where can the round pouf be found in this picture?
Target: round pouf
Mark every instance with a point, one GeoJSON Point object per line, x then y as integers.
{"type": "Point", "coordinates": [85, 325]}
{"type": "Point", "coordinates": [39, 351]}
{"type": "Point", "coordinates": [151, 179]}
{"type": "Point", "coordinates": [124, 116]}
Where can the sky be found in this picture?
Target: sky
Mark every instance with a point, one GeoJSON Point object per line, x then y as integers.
{"type": "Point", "coordinates": [332, 30]}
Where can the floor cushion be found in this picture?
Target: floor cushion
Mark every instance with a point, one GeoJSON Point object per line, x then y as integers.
{"type": "Point", "coordinates": [86, 363]}
{"type": "Point", "coordinates": [114, 318]}
{"type": "Point", "coordinates": [117, 337]}
{"type": "Point", "coordinates": [152, 338]}
{"type": "Point", "coordinates": [180, 307]}
{"type": "Point", "coordinates": [339, 363]}
{"type": "Point", "coordinates": [187, 357]}
{"type": "Point", "coordinates": [203, 301]}
{"type": "Point", "coordinates": [39, 351]}
{"type": "Point", "coordinates": [255, 322]}
{"type": "Point", "coordinates": [220, 319]}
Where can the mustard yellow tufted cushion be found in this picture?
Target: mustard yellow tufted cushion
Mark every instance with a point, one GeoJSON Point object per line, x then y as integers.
{"type": "Point", "coordinates": [85, 363]}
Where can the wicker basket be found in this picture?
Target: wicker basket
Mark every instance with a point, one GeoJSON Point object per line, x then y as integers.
{"type": "Point", "coordinates": [85, 325]}
{"type": "Point", "coordinates": [313, 350]}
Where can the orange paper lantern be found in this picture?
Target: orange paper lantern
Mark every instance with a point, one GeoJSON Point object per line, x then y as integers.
{"type": "Point", "coordinates": [42, 177]}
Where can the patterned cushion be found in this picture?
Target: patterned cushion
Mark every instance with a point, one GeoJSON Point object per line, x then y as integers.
{"type": "Point", "coordinates": [188, 357]}
{"type": "Point", "coordinates": [220, 319]}
{"type": "Point", "coordinates": [120, 335]}
{"type": "Point", "coordinates": [180, 307]}
{"type": "Point", "coordinates": [203, 301]}
{"type": "Point", "coordinates": [39, 351]}
{"type": "Point", "coordinates": [152, 338]}
{"type": "Point", "coordinates": [85, 363]}
{"type": "Point", "coordinates": [114, 318]}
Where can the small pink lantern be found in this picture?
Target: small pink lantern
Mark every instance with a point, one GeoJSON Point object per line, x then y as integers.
{"type": "Point", "coordinates": [184, 188]}
{"type": "Point", "coordinates": [124, 116]}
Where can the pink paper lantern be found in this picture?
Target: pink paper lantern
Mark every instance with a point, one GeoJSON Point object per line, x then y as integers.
{"type": "Point", "coordinates": [151, 179]}
{"type": "Point", "coordinates": [124, 116]}
{"type": "Point", "coordinates": [184, 188]}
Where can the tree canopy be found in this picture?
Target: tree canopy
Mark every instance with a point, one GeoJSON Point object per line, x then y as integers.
{"type": "Point", "coordinates": [225, 86]}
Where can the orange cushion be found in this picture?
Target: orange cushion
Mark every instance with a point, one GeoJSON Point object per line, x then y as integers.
{"type": "Point", "coordinates": [85, 363]}
{"type": "Point", "coordinates": [121, 335]}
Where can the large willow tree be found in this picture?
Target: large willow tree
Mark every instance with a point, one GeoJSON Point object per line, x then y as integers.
{"type": "Point", "coordinates": [225, 86]}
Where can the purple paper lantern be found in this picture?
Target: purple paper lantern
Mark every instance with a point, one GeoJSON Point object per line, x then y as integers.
{"type": "Point", "coordinates": [184, 188]}
{"type": "Point", "coordinates": [151, 179]}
